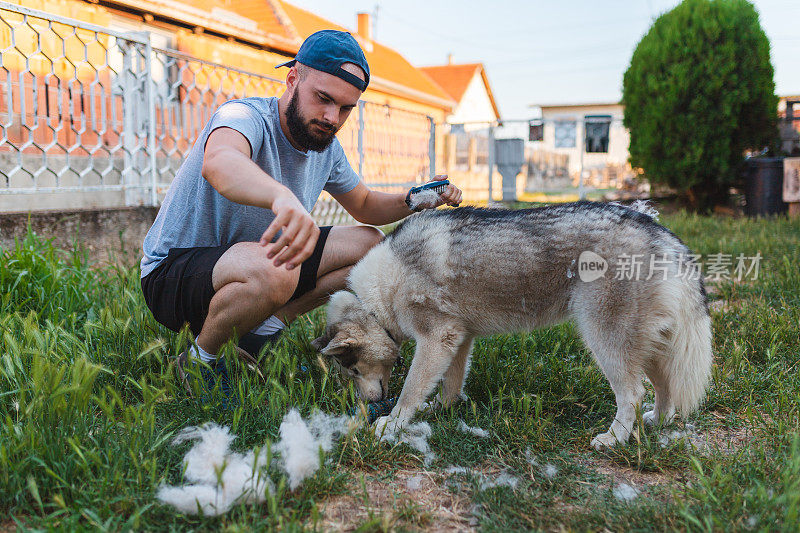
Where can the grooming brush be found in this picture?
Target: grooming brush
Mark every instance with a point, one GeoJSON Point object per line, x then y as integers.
{"type": "Point", "coordinates": [436, 186]}
{"type": "Point", "coordinates": [375, 410]}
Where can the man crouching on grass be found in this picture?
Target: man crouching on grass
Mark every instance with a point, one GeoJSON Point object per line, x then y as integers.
{"type": "Point", "coordinates": [211, 258]}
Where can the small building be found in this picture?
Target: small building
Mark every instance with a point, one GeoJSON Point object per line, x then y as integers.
{"type": "Point", "coordinates": [605, 148]}
{"type": "Point", "coordinates": [468, 85]}
{"type": "Point", "coordinates": [592, 129]}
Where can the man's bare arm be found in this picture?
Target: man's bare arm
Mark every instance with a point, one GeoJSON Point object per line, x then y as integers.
{"type": "Point", "coordinates": [228, 168]}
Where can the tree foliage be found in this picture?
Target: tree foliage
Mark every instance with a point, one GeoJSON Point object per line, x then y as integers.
{"type": "Point", "coordinates": [699, 91]}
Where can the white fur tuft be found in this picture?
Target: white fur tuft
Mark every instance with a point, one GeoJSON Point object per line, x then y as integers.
{"type": "Point", "coordinates": [478, 432]}
{"type": "Point", "coordinates": [221, 478]}
{"type": "Point", "coordinates": [299, 451]}
{"type": "Point", "coordinates": [300, 442]}
{"type": "Point", "coordinates": [642, 206]}
{"type": "Point", "coordinates": [211, 450]}
{"type": "Point", "coordinates": [415, 435]}
{"type": "Point", "coordinates": [425, 199]}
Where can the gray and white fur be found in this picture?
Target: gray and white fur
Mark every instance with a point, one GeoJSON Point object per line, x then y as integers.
{"type": "Point", "coordinates": [446, 277]}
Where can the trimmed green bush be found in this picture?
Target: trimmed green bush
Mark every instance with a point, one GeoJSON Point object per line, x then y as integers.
{"type": "Point", "coordinates": [699, 92]}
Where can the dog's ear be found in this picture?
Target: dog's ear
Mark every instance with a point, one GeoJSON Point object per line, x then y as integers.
{"type": "Point", "coordinates": [320, 342]}
{"type": "Point", "coordinates": [338, 345]}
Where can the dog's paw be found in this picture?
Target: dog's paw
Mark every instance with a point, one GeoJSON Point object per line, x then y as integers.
{"type": "Point", "coordinates": [651, 418]}
{"type": "Point", "coordinates": [434, 405]}
{"type": "Point", "coordinates": [604, 440]}
{"type": "Point", "coordinates": [386, 425]}
{"type": "Point", "coordinates": [437, 403]}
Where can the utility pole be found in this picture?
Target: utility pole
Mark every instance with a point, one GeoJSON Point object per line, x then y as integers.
{"type": "Point", "coordinates": [375, 21]}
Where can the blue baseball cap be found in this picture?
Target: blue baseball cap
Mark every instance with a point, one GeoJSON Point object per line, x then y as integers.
{"type": "Point", "coordinates": [328, 50]}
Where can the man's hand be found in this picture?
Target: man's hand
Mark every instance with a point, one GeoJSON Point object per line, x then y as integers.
{"type": "Point", "coordinates": [428, 199]}
{"type": "Point", "coordinates": [378, 208]}
{"type": "Point", "coordinates": [451, 196]}
{"type": "Point", "coordinates": [299, 232]}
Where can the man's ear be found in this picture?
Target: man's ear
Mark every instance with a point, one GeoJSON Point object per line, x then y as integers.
{"type": "Point", "coordinates": [292, 77]}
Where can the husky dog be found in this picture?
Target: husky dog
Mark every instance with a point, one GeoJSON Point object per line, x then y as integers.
{"type": "Point", "coordinates": [446, 277]}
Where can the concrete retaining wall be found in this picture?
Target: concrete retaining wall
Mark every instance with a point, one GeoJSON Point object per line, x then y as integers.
{"type": "Point", "coordinates": [109, 235]}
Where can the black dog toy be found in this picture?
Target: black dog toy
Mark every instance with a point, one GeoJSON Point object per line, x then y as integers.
{"type": "Point", "coordinates": [375, 410]}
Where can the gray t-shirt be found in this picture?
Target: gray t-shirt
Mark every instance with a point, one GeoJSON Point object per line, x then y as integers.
{"type": "Point", "coordinates": [194, 214]}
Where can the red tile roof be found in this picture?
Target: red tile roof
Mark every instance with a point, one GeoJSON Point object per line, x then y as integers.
{"type": "Point", "coordinates": [281, 27]}
{"type": "Point", "coordinates": [455, 79]}
{"type": "Point", "coordinates": [254, 21]}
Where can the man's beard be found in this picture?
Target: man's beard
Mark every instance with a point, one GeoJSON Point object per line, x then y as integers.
{"type": "Point", "coordinates": [301, 132]}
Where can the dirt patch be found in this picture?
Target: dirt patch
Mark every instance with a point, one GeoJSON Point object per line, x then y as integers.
{"type": "Point", "coordinates": [721, 438]}
{"type": "Point", "coordinates": [717, 439]}
{"type": "Point", "coordinates": [720, 306]}
{"type": "Point", "coordinates": [623, 474]}
{"type": "Point", "coordinates": [414, 499]}
{"type": "Point", "coordinates": [8, 526]}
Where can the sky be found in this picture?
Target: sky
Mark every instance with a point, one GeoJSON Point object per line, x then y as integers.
{"type": "Point", "coordinates": [544, 51]}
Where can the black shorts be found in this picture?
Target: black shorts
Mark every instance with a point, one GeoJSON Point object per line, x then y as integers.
{"type": "Point", "coordinates": [179, 290]}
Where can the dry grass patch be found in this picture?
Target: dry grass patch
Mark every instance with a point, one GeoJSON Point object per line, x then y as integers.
{"type": "Point", "coordinates": [721, 438]}
{"type": "Point", "coordinates": [415, 499]}
{"type": "Point", "coordinates": [619, 474]}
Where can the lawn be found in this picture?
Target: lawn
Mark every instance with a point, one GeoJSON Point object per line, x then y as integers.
{"type": "Point", "coordinates": [89, 405]}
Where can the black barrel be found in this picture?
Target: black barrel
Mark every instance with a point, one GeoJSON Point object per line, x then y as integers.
{"type": "Point", "coordinates": [763, 186]}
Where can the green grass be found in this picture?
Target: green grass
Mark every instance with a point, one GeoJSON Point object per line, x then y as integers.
{"type": "Point", "coordinates": [89, 404]}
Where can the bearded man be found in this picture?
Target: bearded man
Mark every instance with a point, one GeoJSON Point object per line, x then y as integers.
{"type": "Point", "coordinates": [233, 251]}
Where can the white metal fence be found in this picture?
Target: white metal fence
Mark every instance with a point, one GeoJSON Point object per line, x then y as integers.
{"type": "Point", "coordinates": [92, 117]}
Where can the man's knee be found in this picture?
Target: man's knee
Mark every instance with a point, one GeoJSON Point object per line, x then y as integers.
{"type": "Point", "coordinates": [279, 284]}
{"type": "Point", "coordinates": [248, 263]}
{"type": "Point", "coordinates": [362, 240]}
{"type": "Point", "coordinates": [370, 237]}
{"type": "Point", "coordinates": [346, 245]}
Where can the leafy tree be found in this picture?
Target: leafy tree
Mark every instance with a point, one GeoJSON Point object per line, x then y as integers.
{"type": "Point", "coordinates": [699, 91]}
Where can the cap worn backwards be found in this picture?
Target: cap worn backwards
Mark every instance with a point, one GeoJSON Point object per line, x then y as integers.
{"type": "Point", "coordinates": [328, 50]}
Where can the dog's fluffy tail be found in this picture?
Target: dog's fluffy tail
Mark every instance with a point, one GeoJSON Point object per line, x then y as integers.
{"type": "Point", "coordinates": [688, 369]}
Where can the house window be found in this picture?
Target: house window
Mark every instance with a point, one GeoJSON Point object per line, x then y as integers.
{"type": "Point", "coordinates": [565, 132]}
{"type": "Point", "coordinates": [535, 130]}
{"type": "Point", "coordinates": [597, 131]}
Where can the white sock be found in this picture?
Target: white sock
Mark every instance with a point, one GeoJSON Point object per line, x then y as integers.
{"type": "Point", "coordinates": [270, 326]}
{"type": "Point", "coordinates": [201, 354]}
